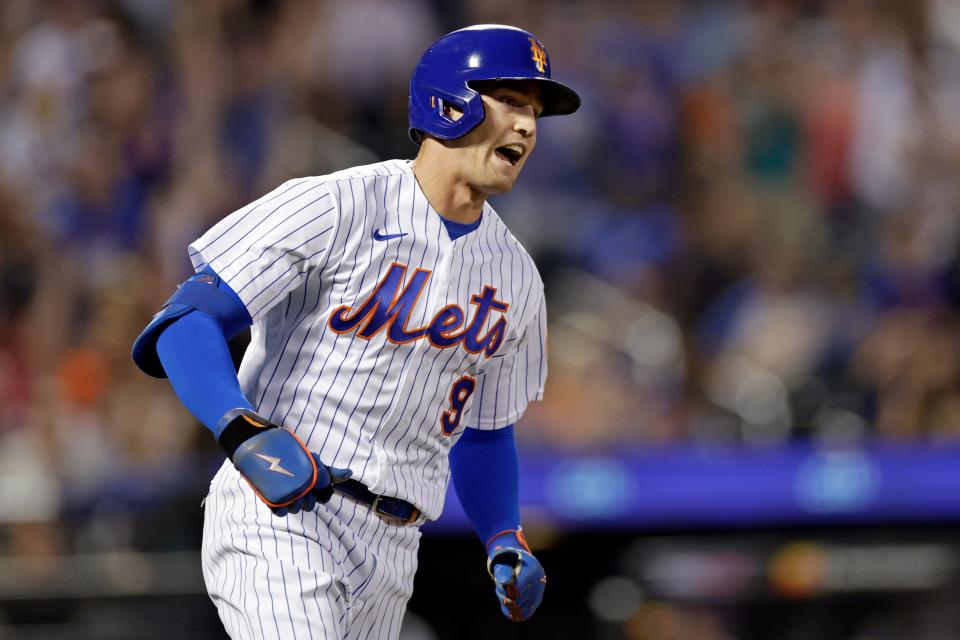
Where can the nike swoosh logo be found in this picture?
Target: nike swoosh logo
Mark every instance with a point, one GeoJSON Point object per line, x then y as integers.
{"type": "Point", "coordinates": [386, 236]}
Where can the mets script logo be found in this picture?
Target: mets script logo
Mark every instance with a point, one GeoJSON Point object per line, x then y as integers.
{"type": "Point", "coordinates": [385, 308]}
{"type": "Point", "coordinates": [539, 55]}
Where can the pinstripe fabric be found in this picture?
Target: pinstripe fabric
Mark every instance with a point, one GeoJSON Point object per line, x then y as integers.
{"type": "Point", "coordinates": [370, 404]}
{"type": "Point", "coordinates": [303, 258]}
{"type": "Point", "coordinates": [339, 572]}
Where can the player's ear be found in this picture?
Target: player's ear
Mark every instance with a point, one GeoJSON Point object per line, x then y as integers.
{"type": "Point", "coordinates": [452, 111]}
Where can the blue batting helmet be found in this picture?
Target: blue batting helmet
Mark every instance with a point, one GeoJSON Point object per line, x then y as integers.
{"type": "Point", "coordinates": [481, 52]}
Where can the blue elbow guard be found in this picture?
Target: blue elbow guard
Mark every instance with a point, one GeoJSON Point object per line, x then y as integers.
{"type": "Point", "coordinates": [202, 292]}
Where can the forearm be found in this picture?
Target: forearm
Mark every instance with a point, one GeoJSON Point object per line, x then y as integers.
{"type": "Point", "coordinates": [196, 358]}
{"type": "Point", "coordinates": [484, 467]}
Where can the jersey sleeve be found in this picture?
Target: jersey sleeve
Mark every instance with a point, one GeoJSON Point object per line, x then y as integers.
{"type": "Point", "coordinates": [265, 250]}
{"type": "Point", "coordinates": [512, 379]}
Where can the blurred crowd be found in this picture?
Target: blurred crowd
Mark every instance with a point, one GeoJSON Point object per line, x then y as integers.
{"type": "Point", "coordinates": [749, 233]}
{"type": "Point", "coordinates": [758, 224]}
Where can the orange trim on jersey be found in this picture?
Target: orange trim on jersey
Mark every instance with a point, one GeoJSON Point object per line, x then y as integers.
{"type": "Point", "coordinates": [475, 299]}
{"type": "Point", "coordinates": [413, 305]}
{"type": "Point", "coordinates": [450, 329]}
{"type": "Point", "coordinates": [348, 308]}
{"type": "Point", "coordinates": [447, 414]}
{"type": "Point", "coordinates": [502, 322]}
{"type": "Point", "coordinates": [443, 332]}
{"type": "Point", "coordinates": [394, 298]}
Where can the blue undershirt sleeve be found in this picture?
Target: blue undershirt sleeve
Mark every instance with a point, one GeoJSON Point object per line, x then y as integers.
{"type": "Point", "coordinates": [195, 355]}
{"type": "Point", "coordinates": [196, 358]}
{"type": "Point", "coordinates": [486, 477]}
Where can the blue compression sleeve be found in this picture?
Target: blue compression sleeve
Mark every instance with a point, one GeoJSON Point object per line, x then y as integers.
{"type": "Point", "coordinates": [484, 466]}
{"type": "Point", "coordinates": [195, 355]}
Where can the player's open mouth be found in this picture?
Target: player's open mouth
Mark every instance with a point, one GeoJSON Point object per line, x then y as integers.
{"type": "Point", "coordinates": [510, 153]}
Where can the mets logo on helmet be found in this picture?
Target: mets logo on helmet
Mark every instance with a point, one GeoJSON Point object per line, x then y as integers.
{"type": "Point", "coordinates": [539, 55]}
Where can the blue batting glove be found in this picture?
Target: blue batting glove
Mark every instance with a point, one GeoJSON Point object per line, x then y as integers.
{"type": "Point", "coordinates": [283, 473]}
{"type": "Point", "coordinates": [517, 574]}
{"type": "Point", "coordinates": [322, 490]}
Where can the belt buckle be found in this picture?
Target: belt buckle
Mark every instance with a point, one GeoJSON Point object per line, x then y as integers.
{"type": "Point", "coordinates": [389, 517]}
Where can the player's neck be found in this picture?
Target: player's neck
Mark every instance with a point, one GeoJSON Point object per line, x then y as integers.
{"type": "Point", "coordinates": [451, 196]}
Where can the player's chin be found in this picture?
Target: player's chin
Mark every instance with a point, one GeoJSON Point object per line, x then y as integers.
{"type": "Point", "coordinates": [499, 187]}
{"type": "Point", "coordinates": [503, 182]}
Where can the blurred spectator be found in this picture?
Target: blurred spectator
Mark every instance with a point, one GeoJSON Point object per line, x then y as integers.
{"type": "Point", "coordinates": [751, 236]}
{"type": "Point", "coordinates": [749, 232]}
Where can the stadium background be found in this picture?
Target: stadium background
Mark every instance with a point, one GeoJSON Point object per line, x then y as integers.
{"type": "Point", "coordinates": [749, 235]}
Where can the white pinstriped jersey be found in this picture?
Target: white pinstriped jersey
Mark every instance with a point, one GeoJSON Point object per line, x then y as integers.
{"type": "Point", "coordinates": [376, 338]}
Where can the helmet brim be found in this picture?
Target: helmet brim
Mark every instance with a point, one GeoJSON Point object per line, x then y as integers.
{"type": "Point", "coordinates": [558, 99]}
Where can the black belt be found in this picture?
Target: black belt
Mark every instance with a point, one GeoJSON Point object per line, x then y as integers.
{"type": "Point", "coordinates": [394, 510]}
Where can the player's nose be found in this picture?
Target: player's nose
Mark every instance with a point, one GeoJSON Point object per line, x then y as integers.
{"type": "Point", "coordinates": [526, 122]}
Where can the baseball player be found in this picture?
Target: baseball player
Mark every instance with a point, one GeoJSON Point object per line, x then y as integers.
{"type": "Point", "coordinates": [397, 334]}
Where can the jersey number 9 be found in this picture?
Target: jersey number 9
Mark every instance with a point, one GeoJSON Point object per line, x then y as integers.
{"type": "Point", "coordinates": [459, 394]}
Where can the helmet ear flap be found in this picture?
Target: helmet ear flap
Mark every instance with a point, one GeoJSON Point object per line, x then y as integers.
{"type": "Point", "coordinates": [441, 108]}
{"type": "Point", "coordinates": [444, 107]}
{"type": "Point", "coordinates": [429, 112]}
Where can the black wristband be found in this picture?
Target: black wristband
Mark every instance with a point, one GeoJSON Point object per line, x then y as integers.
{"type": "Point", "coordinates": [242, 425]}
